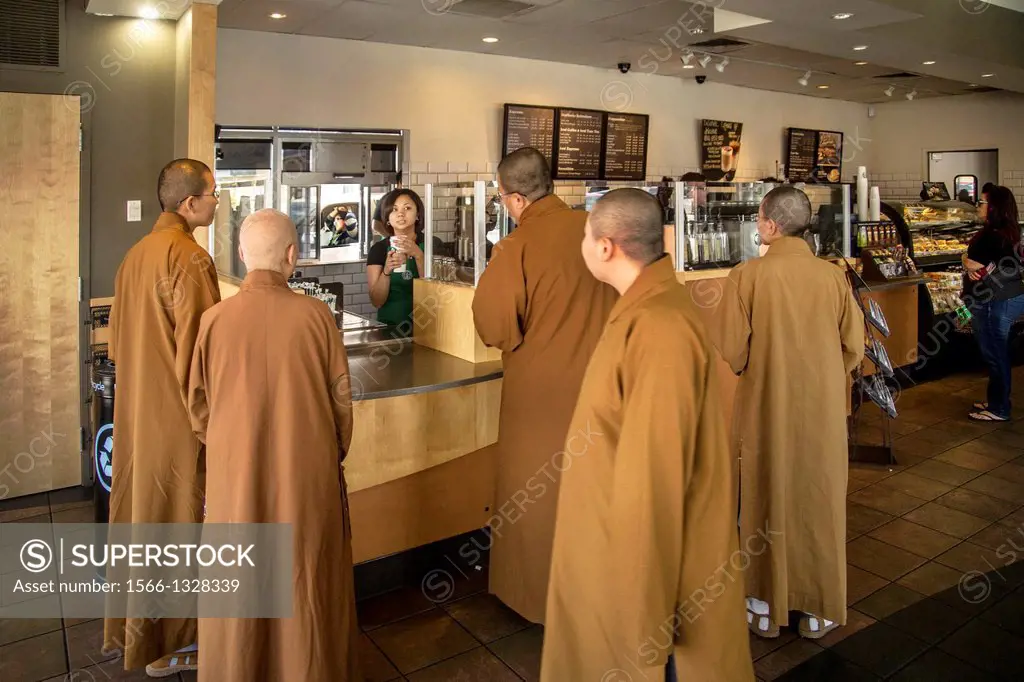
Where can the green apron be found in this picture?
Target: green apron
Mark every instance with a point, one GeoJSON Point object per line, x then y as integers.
{"type": "Point", "coordinates": [398, 308]}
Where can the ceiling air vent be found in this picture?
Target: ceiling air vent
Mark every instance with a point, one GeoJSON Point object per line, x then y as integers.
{"type": "Point", "coordinates": [30, 33]}
{"type": "Point", "coordinates": [984, 88]}
{"type": "Point", "coordinates": [901, 74]}
{"type": "Point", "coordinates": [720, 42]}
{"type": "Point", "coordinates": [495, 9]}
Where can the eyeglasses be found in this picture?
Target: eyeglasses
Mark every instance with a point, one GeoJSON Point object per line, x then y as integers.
{"type": "Point", "coordinates": [505, 195]}
{"type": "Point", "coordinates": [215, 194]}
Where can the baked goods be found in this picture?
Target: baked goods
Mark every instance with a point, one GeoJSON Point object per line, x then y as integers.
{"type": "Point", "coordinates": [937, 246]}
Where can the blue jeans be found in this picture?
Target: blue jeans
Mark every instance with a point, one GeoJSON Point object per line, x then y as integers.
{"type": "Point", "coordinates": [991, 325]}
{"type": "Point", "coordinates": [670, 669]}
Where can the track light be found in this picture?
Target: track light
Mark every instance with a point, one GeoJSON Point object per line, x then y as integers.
{"type": "Point", "coordinates": [720, 67]}
{"type": "Point", "coordinates": [889, 90]}
{"type": "Point", "coordinates": [687, 56]}
{"type": "Point", "coordinates": [704, 61]}
{"type": "Point", "coordinates": [805, 79]}
{"type": "Point", "coordinates": [911, 95]}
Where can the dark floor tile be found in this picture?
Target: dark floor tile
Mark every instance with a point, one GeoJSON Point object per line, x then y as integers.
{"type": "Point", "coordinates": [861, 519]}
{"type": "Point", "coordinates": [75, 515]}
{"type": "Point", "coordinates": [968, 557]}
{"type": "Point", "coordinates": [782, 660]}
{"type": "Point", "coordinates": [23, 507]}
{"type": "Point", "coordinates": [968, 459]}
{"type": "Point", "coordinates": [113, 671]}
{"type": "Point", "coordinates": [1005, 441]}
{"type": "Point", "coordinates": [931, 579]}
{"type": "Point", "coordinates": [917, 446]}
{"type": "Point", "coordinates": [986, 647]}
{"type": "Point", "coordinates": [1014, 520]}
{"type": "Point", "coordinates": [855, 622]}
{"type": "Point", "coordinates": [191, 676]}
{"type": "Point", "coordinates": [828, 666]}
{"type": "Point", "coordinates": [761, 646]}
{"type": "Point", "coordinates": [999, 537]}
{"type": "Point", "coordinates": [930, 620]}
{"type": "Point", "coordinates": [882, 649]}
{"type": "Point", "coordinates": [84, 644]}
{"type": "Point", "coordinates": [888, 601]}
{"type": "Point", "coordinates": [976, 503]}
{"type": "Point", "coordinates": [886, 500]}
{"type": "Point", "coordinates": [912, 537]}
{"type": "Point", "coordinates": [916, 486]}
{"type": "Point", "coordinates": [474, 581]}
{"type": "Point", "coordinates": [422, 640]}
{"type": "Point", "coordinates": [861, 583]}
{"type": "Point", "coordinates": [521, 652]}
{"type": "Point", "coordinates": [33, 659]}
{"type": "Point", "coordinates": [998, 487]}
{"type": "Point", "coordinates": [945, 520]}
{"type": "Point", "coordinates": [938, 666]}
{"type": "Point", "coordinates": [880, 558]}
{"type": "Point", "coordinates": [486, 617]}
{"type": "Point", "coordinates": [1008, 614]}
{"type": "Point", "coordinates": [975, 594]}
{"type": "Point", "coordinates": [1009, 472]}
{"type": "Point", "coordinates": [17, 629]}
{"type": "Point", "coordinates": [70, 498]}
{"type": "Point", "coordinates": [869, 473]}
{"type": "Point", "coordinates": [374, 664]}
{"type": "Point", "coordinates": [478, 665]}
{"type": "Point", "coordinates": [392, 606]}
{"type": "Point", "coordinates": [943, 472]}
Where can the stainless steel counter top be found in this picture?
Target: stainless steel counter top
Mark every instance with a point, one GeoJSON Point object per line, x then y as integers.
{"type": "Point", "coordinates": [394, 367]}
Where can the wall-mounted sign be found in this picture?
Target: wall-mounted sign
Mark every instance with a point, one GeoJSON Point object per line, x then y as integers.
{"type": "Point", "coordinates": [529, 126]}
{"type": "Point", "coordinates": [625, 147]}
{"type": "Point", "coordinates": [720, 149]}
{"type": "Point", "coordinates": [814, 156]}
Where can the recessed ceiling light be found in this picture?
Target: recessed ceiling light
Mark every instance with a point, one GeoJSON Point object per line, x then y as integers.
{"type": "Point", "coordinates": [928, 63]}
{"type": "Point", "coordinates": [278, 15]}
{"type": "Point", "coordinates": [823, 87]}
{"type": "Point", "coordinates": [973, 85]}
{"type": "Point", "coordinates": [861, 63]}
{"type": "Point", "coordinates": [860, 48]}
{"type": "Point", "coordinates": [689, 66]}
{"type": "Point", "coordinates": [149, 13]}
{"type": "Point", "coordinates": [104, 14]}
{"type": "Point", "coordinates": [987, 75]}
{"type": "Point", "coordinates": [490, 39]}
{"type": "Point", "coordinates": [842, 15]}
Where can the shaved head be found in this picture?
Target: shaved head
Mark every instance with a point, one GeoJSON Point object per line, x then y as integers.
{"type": "Point", "coordinates": [181, 179]}
{"type": "Point", "coordinates": [526, 172]}
{"type": "Point", "coordinates": [268, 242]}
{"type": "Point", "coordinates": [633, 220]}
{"type": "Point", "coordinates": [789, 208]}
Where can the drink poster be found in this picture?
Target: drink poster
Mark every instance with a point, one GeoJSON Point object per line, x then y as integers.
{"type": "Point", "coordinates": [720, 149]}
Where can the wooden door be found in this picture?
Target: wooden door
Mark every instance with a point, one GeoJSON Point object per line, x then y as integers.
{"type": "Point", "coordinates": [40, 404]}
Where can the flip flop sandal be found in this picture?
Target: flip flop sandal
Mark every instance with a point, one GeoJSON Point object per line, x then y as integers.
{"type": "Point", "coordinates": [173, 664]}
{"type": "Point", "coordinates": [981, 406]}
{"type": "Point", "coordinates": [810, 627]}
{"type": "Point", "coordinates": [986, 416]}
{"type": "Point", "coordinates": [762, 626]}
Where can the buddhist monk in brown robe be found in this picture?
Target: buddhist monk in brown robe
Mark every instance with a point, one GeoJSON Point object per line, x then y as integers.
{"type": "Point", "coordinates": [270, 396]}
{"type": "Point", "coordinates": [537, 302]}
{"type": "Point", "coordinates": [645, 581]}
{"type": "Point", "coordinates": [789, 326]}
{"type": "Point", "coordinates": [164, 285]}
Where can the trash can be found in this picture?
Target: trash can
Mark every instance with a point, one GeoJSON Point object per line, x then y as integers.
{"type": "Point", "coordinates": [103, 436]}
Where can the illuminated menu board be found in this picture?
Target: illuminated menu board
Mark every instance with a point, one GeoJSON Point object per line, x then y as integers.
{"type": "Point", "coordinates": [579, 144]}
{"type": "Point", "coordinates": [529, 126]}
{"type": "Point", "coordinates": [625, 147]}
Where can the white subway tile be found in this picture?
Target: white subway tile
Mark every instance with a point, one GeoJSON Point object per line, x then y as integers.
{"type": "Point", "coordinates": [458, 167]}
{"type": "Point", "coordinates": [448, 177]}
{"type": "Point", "coordinates": [437, 167]}
{"type": "Point", "coordinates": [478, 167]}
{"type": "Point", "coordinates": [418, 168]}
{"type": "Point", "coordinates": [492, 167]}
{"type": "Point", "coordinates": [427, 178]}
{"type": "Point", "coordinates": [467, 177]}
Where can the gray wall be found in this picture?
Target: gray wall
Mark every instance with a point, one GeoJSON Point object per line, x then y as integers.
{"type": "Point", "coordinates": [353, 277]}
{"type": "Point", "coordinates": [123, 69]}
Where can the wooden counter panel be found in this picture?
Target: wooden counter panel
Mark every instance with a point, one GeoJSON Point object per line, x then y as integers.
{"type": "Point", "coordinates": [443, 320]}
{"type": "Point", "coordinates": [441, 502]}
{"type": "Point", "coordinates": [899, 305]}
{"type": "Point", "coordinates": [404, 435]}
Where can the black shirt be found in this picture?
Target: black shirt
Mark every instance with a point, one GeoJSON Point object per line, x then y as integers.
{"type": "Point", "coordinates": [1004, 281]}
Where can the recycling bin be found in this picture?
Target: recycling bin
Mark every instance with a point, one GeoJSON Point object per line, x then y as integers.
{"type": "Point", "coordinates": [103, 436]}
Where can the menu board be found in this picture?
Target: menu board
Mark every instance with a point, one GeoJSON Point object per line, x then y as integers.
{"type": "Point", "coordinates": [814, 156]}
{"type": "Point", "coordinates": [625, 147]}
{"type": "Point", "coordinates": [720, 149]}
{"type": "Point", "coordinates": [529, 126]}
{"type": "Point", "coordinates": [579, 143]}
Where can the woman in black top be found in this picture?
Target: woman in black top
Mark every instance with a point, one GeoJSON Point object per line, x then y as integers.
{"type": "Point", "coordinates": [994, 292]}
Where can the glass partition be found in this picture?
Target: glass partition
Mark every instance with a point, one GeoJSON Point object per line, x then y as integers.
{"type": "Point", "coordinates": [466, 220]}
{"type": "Point", "coordinates": [241, 192]}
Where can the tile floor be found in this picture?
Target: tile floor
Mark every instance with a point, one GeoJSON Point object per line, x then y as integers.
{"type": "Point", "coordinates": [932, 592]}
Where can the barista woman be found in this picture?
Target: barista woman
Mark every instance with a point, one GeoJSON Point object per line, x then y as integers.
{"type": "Point", "coordinates": [391, 269]}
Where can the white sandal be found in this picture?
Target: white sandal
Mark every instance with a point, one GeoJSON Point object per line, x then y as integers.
{"type": "Point", "coordinates": [173, 664]}
{"type": "Point", "coordinates": [758, 621]}
{"type": "Point", "coordinates": [813, 627]}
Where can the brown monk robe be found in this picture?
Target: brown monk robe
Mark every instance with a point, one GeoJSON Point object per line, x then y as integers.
{"type": "Point", "coordinates": [270, 397]}
{"type": "Point", "coordinates": [539, 305]}
{"type": "Point", "coordinates": [789, 326]}
{"type": "Point", "coordinates": [646, 563]}
{"type": "Point", "coordinates": [164, 285]}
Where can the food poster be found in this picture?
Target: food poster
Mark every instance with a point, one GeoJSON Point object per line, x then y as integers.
{"type": "Point", "coordinates": [720, 149]}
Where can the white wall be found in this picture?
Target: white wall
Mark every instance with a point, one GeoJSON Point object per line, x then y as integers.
{"type": "Point", "coordinates": [452, 101]}
{"type": "Point", "coordinates": [902, 134]}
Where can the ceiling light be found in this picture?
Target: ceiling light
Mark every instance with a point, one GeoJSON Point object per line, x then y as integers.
{"type": "Point", "coordinates": [973, 85]}
{"type": "Point", "coordinates": [696, 31]}
{"type": "Point", "coordinates": [689, 66]}
{"type": "Point", "coordinates": [686, 57]}
{"type": "Point", "coordinates": [490, 39]}
{"type": "Point", "coordinates": [823, 87]}
{"type": "Point", "coordinates": [928, 63]}
{"type": "Point", "coordinates": [889, 91]}
{"type": "Point", "coordinates": [278, 15]}
{"type": "Point", "coordinates": [720, 67]}
{"type": "Point", "coordinates": [911, 95]}
{"type": "Point", "coordinates": [149, 13]}
{"type": "Point", "coordinates": [860, 63]}
{"type": "Point", "coordinates": [805, 79]}
{"type": "Point", "coordinates": [704, 61]}
{"type": "Point", "coordinates": [860, 48]}
{"type": "Point", "coordinates": [842, 15]}
{"type": "Point", "coordinates": [987, 75]}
